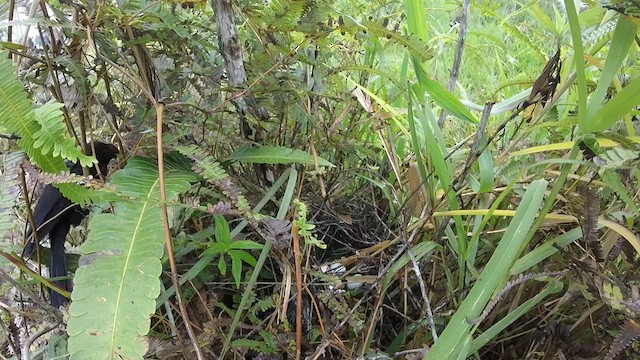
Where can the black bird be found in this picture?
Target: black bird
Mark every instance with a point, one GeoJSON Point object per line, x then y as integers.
{"type": "Point", "coordinates": [54, 214]}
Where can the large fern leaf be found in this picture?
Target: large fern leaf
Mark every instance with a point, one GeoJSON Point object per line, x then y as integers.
{"type": "Point", "coordinates": [113, 297]}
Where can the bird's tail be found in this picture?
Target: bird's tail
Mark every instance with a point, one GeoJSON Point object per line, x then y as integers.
{"type": "Point", "coordinates": [58, 266]}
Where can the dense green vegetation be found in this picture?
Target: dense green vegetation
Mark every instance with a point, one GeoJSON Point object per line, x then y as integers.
{"type": "Point", "coordinates": [308, 179]}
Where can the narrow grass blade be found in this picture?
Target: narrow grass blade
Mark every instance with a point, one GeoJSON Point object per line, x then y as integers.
{"type": "Point", "coordinates": [619, 106]}
{"type": "Point", "coordinates": [493, 277]}
{"type": "Point", "coordinates": [578, 49]}
{"type": "Point", "coordinates": [620, 44]}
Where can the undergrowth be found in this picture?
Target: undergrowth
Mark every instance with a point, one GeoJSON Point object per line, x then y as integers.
{"type": "Point", "coordinates": [330, 192]}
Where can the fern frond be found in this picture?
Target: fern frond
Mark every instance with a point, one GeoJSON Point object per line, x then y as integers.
{"type": "Point", "coordinates": [599, 33]}
{"type": "Point", "coordinates": [213, 172]}
{"type": "Point", "coordinates": [286, 13]}
{"type": "Point", "coordinates": [617, 249]}
{"type": "Point", "coordinates": [204, 165]}
{"type": "Point", "coordinates": [589, 220]}
{"type": "Point", "coordinates": [510, 285]}
{"type": "Point", "coordinates": [630, 332]}
{"type": "Point", "coordinates": [51, 137]}
{"type": "Point", "coordinates": [18, 117]}
{"type": "Point", "coordinates": [615, 183]}
{"type": "Point", "coordinates": [92, 192]}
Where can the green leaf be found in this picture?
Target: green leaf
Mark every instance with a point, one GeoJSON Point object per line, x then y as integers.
{"type": "Point", "coordinates": [417, 19]}
{"type": "Point", "coordinates": [542, 17]}
{"type": "Point", "coordinates": [246, 257]}
{"type": "Point", "coordinates": [12, 46]}
{"type": "Point", "coordinates": [249, 344]}
{"type": "Point", "coordinates": [222, 230]}
{"type": "Point", "coordinates": [612, 179]}
{"type": "Point", "coordinates": [222, 265]}
{"type": "Point", "coordinates": [52, 137]}
{"type": "Point", "coordinates": [236, 268]}
{"type": "Point", "coordinates": [207, 258]}
{"type": "Point", "coordinates": [436, 151]}
{"type": "Point", "coordinates": [215, 248]}
{"type": "Point", "coordinates": [553, 287]}
{"type": "Point", "coordinates": [114, 294]}
{"type": "Point", "coordinates": [276, 155]}
{"type": "Point", "coordinates": [445, 99]}
{"type": "Point", "coordinates": [622, 39]}
{"type": "Point", "coordinates": [546, 250]}
{"type": "Point", "coordinates": [452, 342]}
{"type": "Point", "coordinates": [578, 48]}
{"type": "Point", "coordinates": [245, 244]}
{"type": "Point", "coordinates": [17, 116]}
{"type": "Point", "coordinates": [85, 195]}
{"type": "Point", "coordinates": [487, 172]}
{"type": "Point", "coordinates": [619, 106]}
{"type": "Point", "coordinates": [249, 292]}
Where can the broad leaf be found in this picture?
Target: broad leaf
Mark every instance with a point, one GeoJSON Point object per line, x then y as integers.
{"type": "Point", "coordinates": [114, 295]}
{"type": "Point", "coordinates": [276, 155]}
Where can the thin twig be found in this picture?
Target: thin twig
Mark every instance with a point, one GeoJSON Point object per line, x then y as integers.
{"type": "Point", "coordinates": [34, 230]}
{"type": "Point", "coordinates": [297, 256]}
{"type": "Point", "coordinates": [455, 70]}
{"type": "Point", "coordinates": [167, 234]}
{"type": "Point", "coordinates": [425, 296]}
{"type": "Point", "coordinates": [477, 143]}
{"type": "Point", "coordinates": [12, 8]}
{"type": "Point", "coordinates": [365, 340]}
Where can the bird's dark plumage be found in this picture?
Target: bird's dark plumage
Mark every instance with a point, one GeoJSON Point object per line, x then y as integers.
{"type": "Point", "coordinates": [54, 214]}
